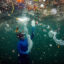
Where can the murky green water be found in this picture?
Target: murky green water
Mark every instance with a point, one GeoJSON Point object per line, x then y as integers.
{"type": "Point", "coordinates": [44, 51]}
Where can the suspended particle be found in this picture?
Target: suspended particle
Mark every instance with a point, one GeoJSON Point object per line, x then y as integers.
{"type": "Point", "coordinates": [13, 51]}
{"type": "Point", "coordinates": [40, 58]}
{"type": "Point", "coordinates": [58, 28]}
{"type": "Point", "coordinates": [45, 35]}
{"type": "Point", "coordinates": [0, 12]}
{"type": "Point", "coordinates": [10, 58]}
{"type": "Point", "coordinates": [18, 54]}
{"type": "Point", "coordinates": [44, 30]}
{"type": "Point", "coordinates": [43, 52]}
{"type": "Point", "coordinates": [55, 55]}
{"type": "Point", "coordinates": [3, 38]}
{"type": "Point", "coordinates": [50, 45]}
{"type": "Point", "coordinates": [32, 61]}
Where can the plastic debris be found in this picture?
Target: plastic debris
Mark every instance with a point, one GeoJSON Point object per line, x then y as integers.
{"type": "Point", "coordinates": [9, 15]}
{"type": "Point", "coordinates": [7, 25]}
{"type": "Point", "coordinates": [53, 11]}
{"type": "Point", "coordinates": [58, 46]}
{"type": "Point", "coordinates": [42, 5]}
{"type": "Point", "coordinates": [20, 1]}
{"type": "Point", "coordinates": [16, 29]}
{"type": "Point", "coordinates": [36, 22]}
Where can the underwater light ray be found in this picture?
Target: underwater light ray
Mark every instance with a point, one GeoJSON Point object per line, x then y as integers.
{"type": "Point", "coordinates": [23, 19]}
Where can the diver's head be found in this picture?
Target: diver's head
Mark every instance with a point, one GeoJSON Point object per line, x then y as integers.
{"type": "Point", "coordinates": [21, 36]}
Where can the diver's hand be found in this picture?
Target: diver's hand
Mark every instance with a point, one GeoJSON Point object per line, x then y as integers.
{"type": "Point", "coordinates": [27, 52]}
{"type": "Point", "coordinates": [24, 52]}
{"type": "Point", "coordinates": [28, 36]}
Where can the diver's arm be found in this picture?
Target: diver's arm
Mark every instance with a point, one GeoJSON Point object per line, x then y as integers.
{"type": "Point", "coordinates": [22, 52]}
{"type": "Point", "coordinates": [32, 35]}
{"type": "Point", "coordinates": [30, 43]}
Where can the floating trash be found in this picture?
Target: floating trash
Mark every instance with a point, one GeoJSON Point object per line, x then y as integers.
{"type": "Point", "coordinates": [44, 30]}
{"type": "Point", "coordinates": [42, 5]}
{"type": "Point", "coordinates": [9, 15]}
{"type": "Point", "coordinates": [7, 25]}
{"type": "Point", "coordinates": [33, 23]}
{"type": "Point", "coordinates": [54, 11]}
{"type": "Point", "coordinates": [36, 22]}
{"type": "Point", "coordinates": [48, 27]}
{"type": "Point", "coordinates": [53, 34]}
{"type": "Point", "coordinates": [58, 46]}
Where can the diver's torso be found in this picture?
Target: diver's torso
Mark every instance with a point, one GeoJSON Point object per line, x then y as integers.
{"type": "Point", "coordinates": [24, 45]}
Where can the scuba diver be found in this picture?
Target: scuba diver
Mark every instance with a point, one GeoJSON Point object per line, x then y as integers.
{"type": "Point", "coordinates": [24, 46]}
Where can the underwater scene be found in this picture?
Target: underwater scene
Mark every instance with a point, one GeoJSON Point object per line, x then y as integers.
{"type": "Point", "coordinates": [31, 36]}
